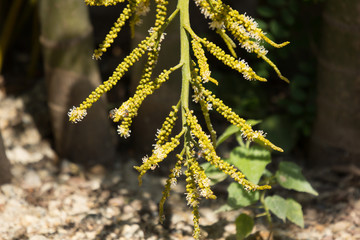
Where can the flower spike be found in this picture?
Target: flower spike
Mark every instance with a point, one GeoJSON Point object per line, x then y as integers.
{"type": "Point", "coordinates": [235, 29]}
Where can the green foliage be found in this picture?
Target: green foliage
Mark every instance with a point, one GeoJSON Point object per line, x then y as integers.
{"type": "Point", "coordinates": [285, 209]}
{"type": "Point", "coordinates": [294, 212]}
{"type": "Point", "coordinates": [277, 205]}
{"type": "Point", "coordinates": [289, 176]}
{"type": "Point", "coordinates": [213, 173]}
{"type": "Point", "coordinates": [252, 161]}
{"type": "Point", "coordinates": [244, 225]}
{"type": "Point", "coordinates": [239, 197]}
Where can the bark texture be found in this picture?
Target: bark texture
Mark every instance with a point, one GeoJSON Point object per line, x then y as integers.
{"type": "Point", "coordinates": [337, 127]}
{"type": "Point", "coordinates": [71, 74]}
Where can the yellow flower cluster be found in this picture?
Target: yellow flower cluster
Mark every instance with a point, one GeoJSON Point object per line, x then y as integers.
{"type": "Point", "coordinates": [103, 2]}
{"type": "Point", "coordinates": [109, 39]}
{"type": "Point", "coordinates": [234, 119]}
{"type": "Point", "coordinates": [119, 72]}
{"type": "Point", "coordinates": [159, 153]}
{"type": "Point", "coordinates": [202, 61]}
{"type": "Point", "coordinates": [170, 182]}
{"type": "Point", "coordinates": [163, 134]}
{"type": "Point", "coordinates": [199, 176]}
{"type": "Point", "coordinates": [243, 28]}
{"type": "Point", "coordinates": [239, 65]}
{"type": "Point", "coordinates": [205, 106]}
{"type": "Point", "coordinates": [196, 143]}
{"type": "Point", "coordinates": [210, 155]}
{"type": "Point", "coordinates": [128, 110]}
{"type": "Point", "coordinates": [141, 8]}
{"type": "Point", "coordinates": [154, 38]}
{"type": "Point", "coordinates": [192, 198]}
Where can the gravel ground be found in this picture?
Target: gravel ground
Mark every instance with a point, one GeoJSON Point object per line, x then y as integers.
{"type": "Point", "coordinates": [52, 198]}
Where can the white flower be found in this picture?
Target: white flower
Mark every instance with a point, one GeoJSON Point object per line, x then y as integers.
{"type": "Point", "coordinates": [177, 172]}
{"type": "Point", "coordinates": [77, 114]}
{"type": "Point", "coordinates": [123, 132]}
{"type": "Point", "coordinates": [96, 57]}
{"type": "Point", "coordinates": [162, 37]}
{"type": "Point", "coordinates": [153, 166]}
{"type": "Point", "coordinates": [142, 9]}
{"type": "Point", "coordinates": [145, 159]}
{"type": "Point", "coordinates": [216, 25]}
{"type": "Point", "coordinates": [159, 152]}
{"type": "Point", "coordinates": [206, 75]}
{"type": "Point", "coordinates": [158, 131]}
{"type": "Point", "coordinates": [173, 182]}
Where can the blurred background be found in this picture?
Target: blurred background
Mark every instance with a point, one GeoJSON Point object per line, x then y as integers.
{"type": "Point", "coordinates": [46, 68]}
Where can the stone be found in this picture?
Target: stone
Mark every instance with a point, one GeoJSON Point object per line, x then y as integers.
{"type": "Point", "coordinates": [31, 180]}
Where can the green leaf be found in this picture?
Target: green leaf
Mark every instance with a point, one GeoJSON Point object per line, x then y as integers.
{"type": "Point", "coordinates": [253, 122]}
{"type": "Point", "coordinates": [238, 197]}
{"type": "Point", "coordinates": [265, 11]}
{"type": "Point", "coordinates": [227, 133]}
{"type": "Point", "coordinates": [294, 212]}
{"type": "Point", "coordinates": [250, 161]}
{"type": "Point", "coordinates": [244, 225]}
{"type": "Point", "coordinates": [268, 174]}
{"type": "Point", "coordinates": [214, 174]}
{"type": "Point", "coordinates": [289, 176]}
{"type": "Point", "coordinates": [277, 205]}
{"type": "Point", "coordinates": [225, 208]}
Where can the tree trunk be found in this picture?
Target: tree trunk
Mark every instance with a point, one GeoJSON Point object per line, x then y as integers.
{"type": "Point", "coordinates": [336, 133]}
{"type": "Point", "coordinates": [71, 74]}
{"type": "Point", "coordinates": [5, 174]}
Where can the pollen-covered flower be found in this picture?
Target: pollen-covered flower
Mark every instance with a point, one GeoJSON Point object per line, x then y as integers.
{"type": "Point", "coordinates": [123, 132]}
{"type": "Point", "coordinates": [216, 25]}
{"type": "Point", "coordinates": [103, 2]}
{"type": "Point", "coordinates": [159, 152]}
{"type": "Point", "coordinates": [76, 114]}
{"type": "Point", "coordinates": [145, 159]}
{"type": "Point", "coordinates": [113, 33]}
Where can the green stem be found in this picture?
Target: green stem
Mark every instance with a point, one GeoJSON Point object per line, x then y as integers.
{"type": "Point", "coordinates": [183, 6]}
{"type": "Point", "coordinates": [267, 212]}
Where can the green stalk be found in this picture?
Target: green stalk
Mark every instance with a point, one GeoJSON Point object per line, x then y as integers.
{"type": "Point", "coordinates": [267, 213]}
{"type": "Point", "coordinates": [183, 6]}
